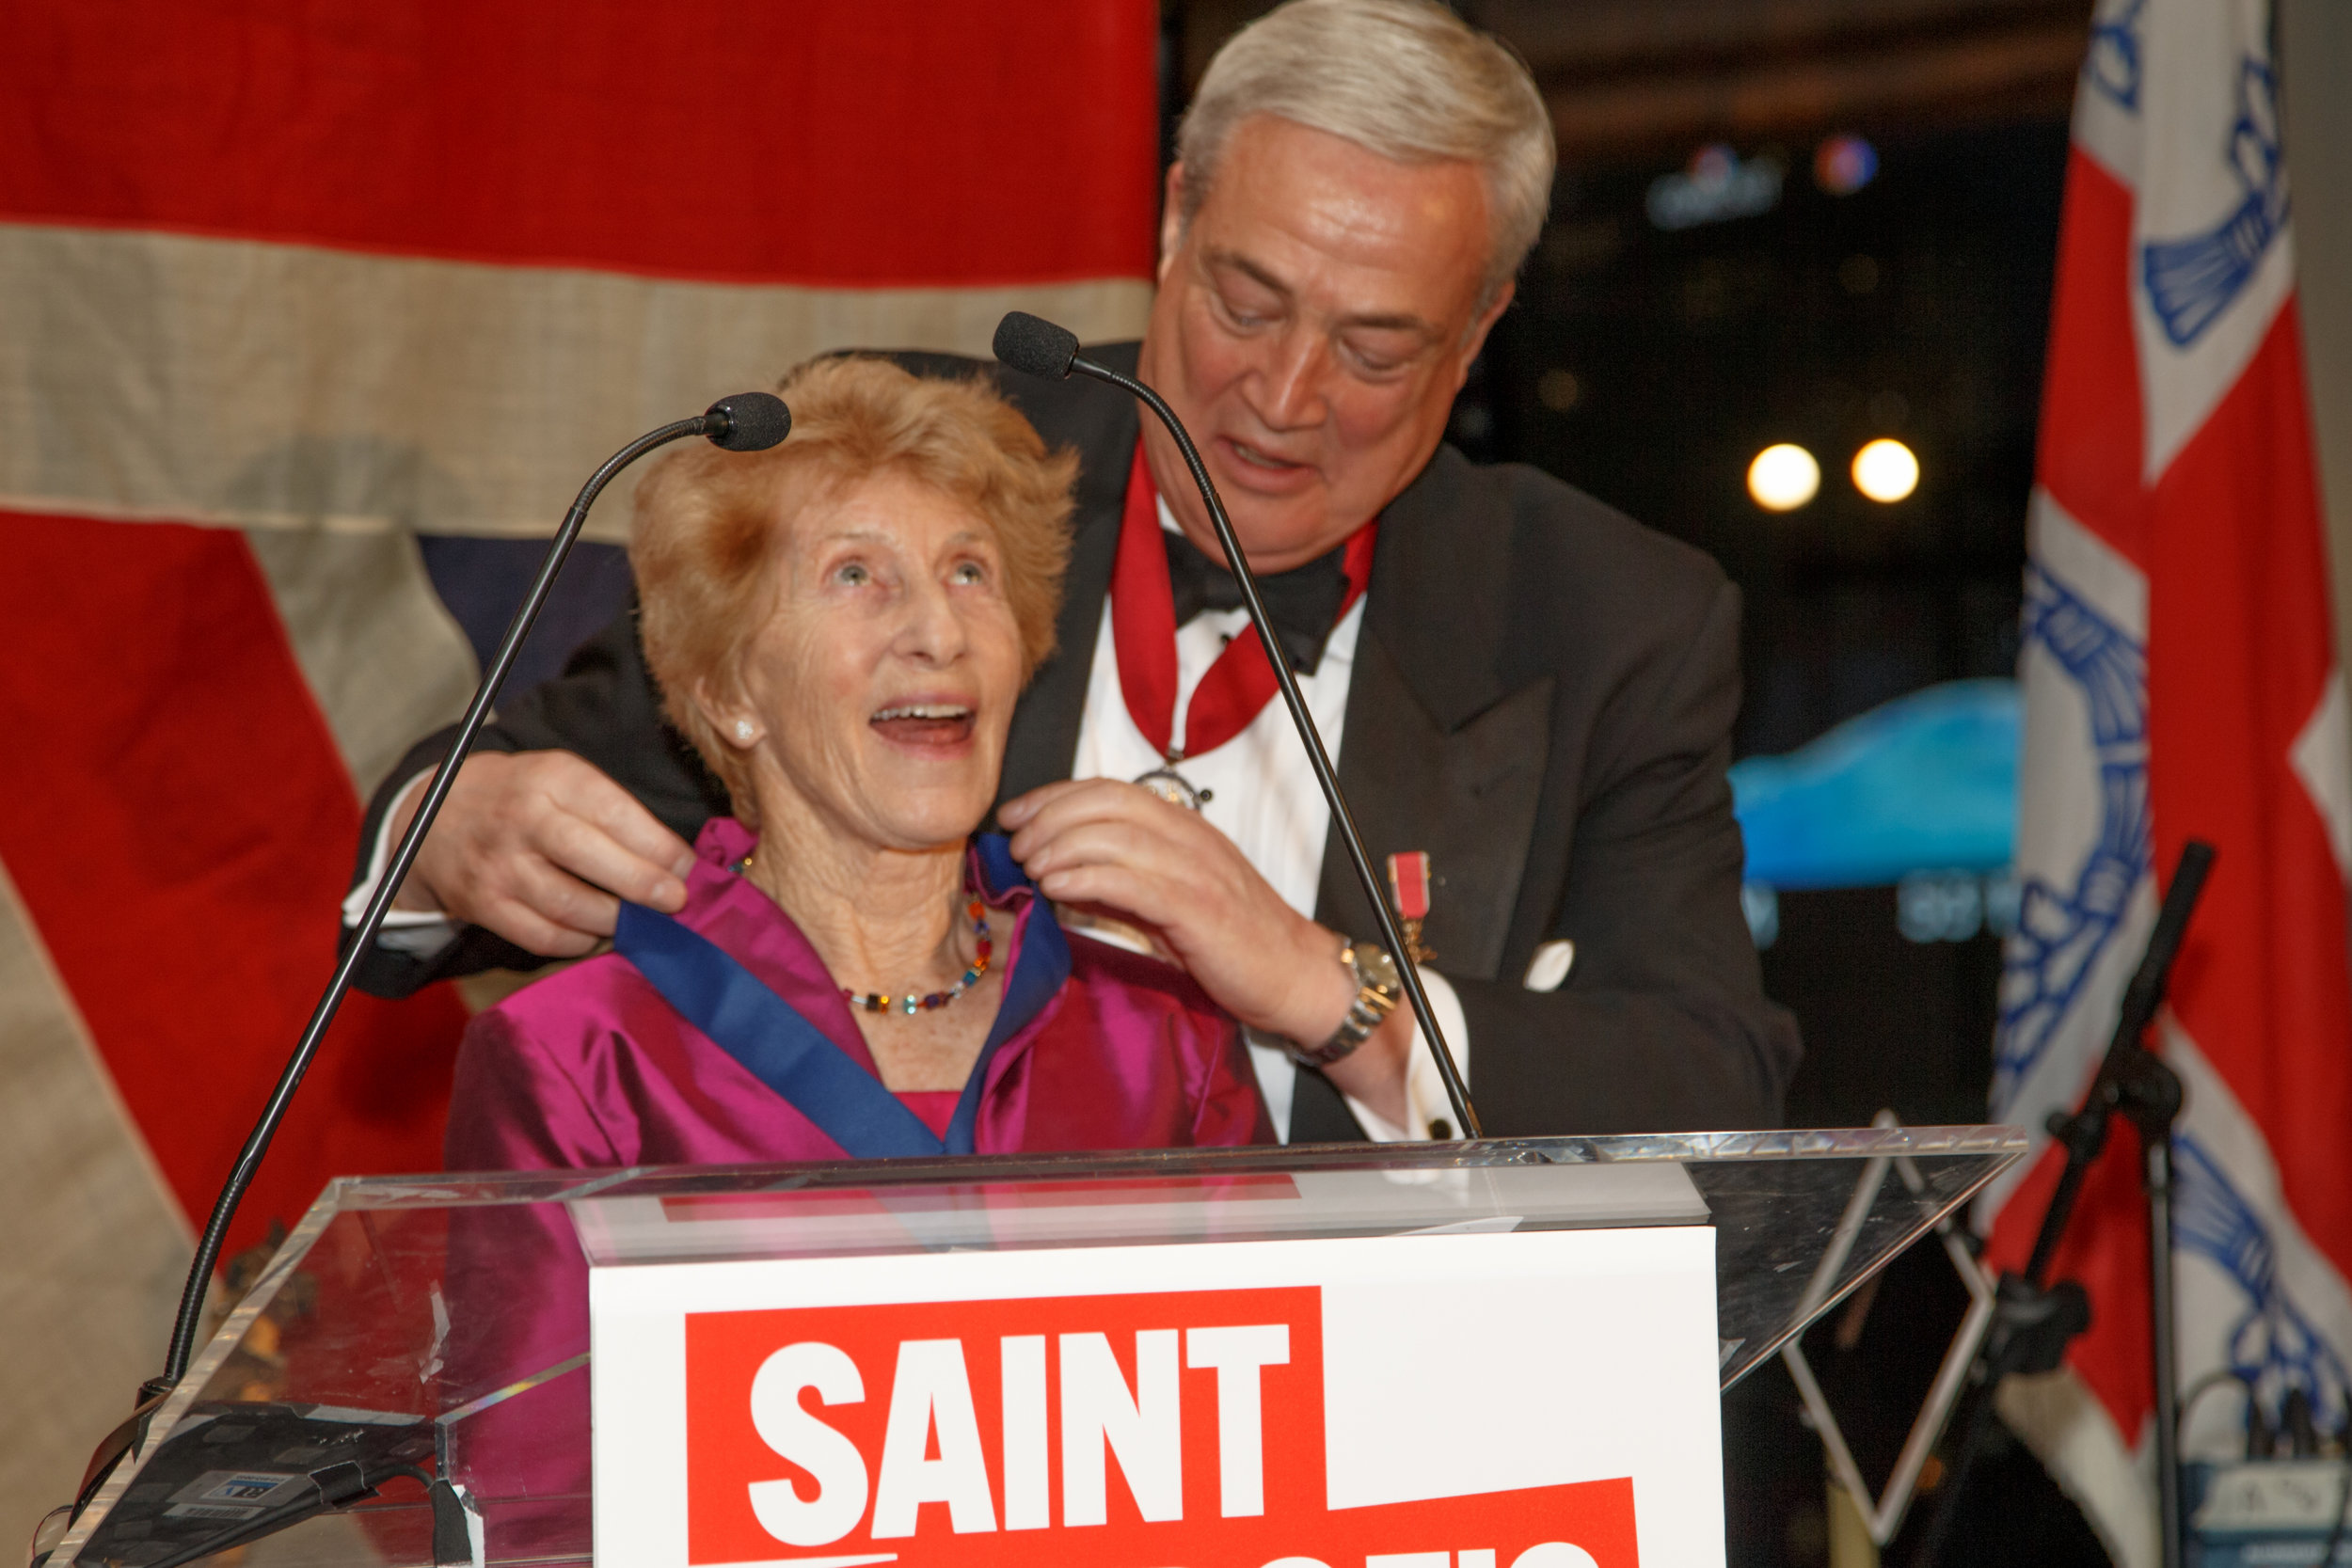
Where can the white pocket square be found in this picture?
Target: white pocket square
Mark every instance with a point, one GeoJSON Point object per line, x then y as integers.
{"type": "Point", "coordinates": [1550, 965]}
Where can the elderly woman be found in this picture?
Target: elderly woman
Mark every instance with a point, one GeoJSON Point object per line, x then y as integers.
{"type": "Point", "coordinates": [840, 626]}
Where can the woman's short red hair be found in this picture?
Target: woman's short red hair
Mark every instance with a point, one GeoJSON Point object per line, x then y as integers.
{"type": "Point", "coordinates": [708, 523]}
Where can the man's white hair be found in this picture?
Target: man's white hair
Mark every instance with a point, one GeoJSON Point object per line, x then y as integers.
{"type": "Point", "coordinates": [1406, 79]}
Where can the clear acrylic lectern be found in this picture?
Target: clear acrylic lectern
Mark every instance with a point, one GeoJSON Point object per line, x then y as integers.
{"type": "Point", "coordinates": [369, 1317]}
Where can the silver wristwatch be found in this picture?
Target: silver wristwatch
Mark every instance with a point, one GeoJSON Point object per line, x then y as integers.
{"type": "Point", "coordinates": [1377, 988]}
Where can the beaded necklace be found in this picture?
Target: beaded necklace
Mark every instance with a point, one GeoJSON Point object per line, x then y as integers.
{"type": "Point", "coordinates": [882, 1002]}
{"type": "Point", "coordinates": [913, 1003]}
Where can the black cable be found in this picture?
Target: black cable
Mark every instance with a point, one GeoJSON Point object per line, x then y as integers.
{"type": "Point", "coordinates": [349, 1483]}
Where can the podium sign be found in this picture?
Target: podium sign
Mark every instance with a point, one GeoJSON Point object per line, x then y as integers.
{"type": "Point", "coordinates": [1496, 1354]}
{"type": "Point", "coordinates": [1545, 1397]}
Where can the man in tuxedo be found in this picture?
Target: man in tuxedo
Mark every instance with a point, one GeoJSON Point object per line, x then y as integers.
{"type": "Point", "coordinates": [1522, 684]}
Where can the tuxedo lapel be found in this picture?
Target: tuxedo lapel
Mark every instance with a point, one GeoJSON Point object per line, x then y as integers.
{"type": "Point", "coordinates": [1440, 752]}
{"type": "Point", "coordinates": [1466, 796]}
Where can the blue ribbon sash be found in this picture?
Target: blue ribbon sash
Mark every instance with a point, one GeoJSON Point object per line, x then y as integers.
{"type": "Point", "coordinates": [772, 1042]}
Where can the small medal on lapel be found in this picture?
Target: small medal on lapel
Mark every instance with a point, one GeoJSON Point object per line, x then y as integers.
{"type": "Point", "coordinates": [1408, 883]}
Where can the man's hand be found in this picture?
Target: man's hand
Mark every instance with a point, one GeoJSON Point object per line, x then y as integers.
{"type": "Point", "coordinates": [1120, 846]}
{"type": "Point", "coordinates": [535, 846]}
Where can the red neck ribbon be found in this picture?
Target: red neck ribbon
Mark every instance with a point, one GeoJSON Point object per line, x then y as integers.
{"type": "Point", "coordinates": [1238, 686]}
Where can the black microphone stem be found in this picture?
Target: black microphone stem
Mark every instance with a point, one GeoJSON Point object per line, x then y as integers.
{"type": "Point", "coordinates": [184, 1328]}
{"type": "Point", "coordinates": [2033, 1320]}
{"type": "Point", "coordinates": [1456, 1092]}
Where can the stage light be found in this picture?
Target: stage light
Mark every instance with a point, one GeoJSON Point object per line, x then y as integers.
{"type": "Point", "coordinates": [1784, 476]}
{"type": "Point", "coordinates": [1717, 186]}
{"type": "Point", "coordinates": [1858, 274]}
{"type": "Point", "coordinates": [1844, 163]}
{"type": "Point", "coordinates": [1559, 390]}
{"type": "Point", "coordinates": [1886, 470]}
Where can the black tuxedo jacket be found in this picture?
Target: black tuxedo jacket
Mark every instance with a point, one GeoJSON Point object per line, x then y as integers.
{"type": "Point", "coordinates": [1542, 699]}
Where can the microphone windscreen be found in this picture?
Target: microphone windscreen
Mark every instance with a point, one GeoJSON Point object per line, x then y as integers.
{"type": "Point", "coordinates": [748, 422]}
{"type": "Point", "coordinates": [1036, 345]}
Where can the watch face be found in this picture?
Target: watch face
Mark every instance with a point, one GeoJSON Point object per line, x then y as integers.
{"type": "Point", "coordinates": [1378, 969]}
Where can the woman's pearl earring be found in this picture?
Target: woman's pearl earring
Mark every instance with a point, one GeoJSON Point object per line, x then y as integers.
{"type": "Point", "coordinates": [743, 731]}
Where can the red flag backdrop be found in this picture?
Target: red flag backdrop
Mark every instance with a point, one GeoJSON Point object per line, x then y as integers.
{"type": "Point", "coordinates": [289, 287]}
{"type": "Point", "coordinates": [2180, 683]}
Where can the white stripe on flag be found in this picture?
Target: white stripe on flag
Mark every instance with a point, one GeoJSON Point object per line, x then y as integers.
{"type": "Point", "coordinates": [2322, 758]}
{"type": "Point", "coordinates": [380, 652]}
{"type": "Point", "coordinates": [2212, 257]}
{"type": "Point", "coordinates": [96, 1249]}
{"type": "Point", "coordinates": [261, 385]}
{"type": "Point", "coordinates": [2087, 900]}
{"type": "Point", "coordinates": [2252, 1288]}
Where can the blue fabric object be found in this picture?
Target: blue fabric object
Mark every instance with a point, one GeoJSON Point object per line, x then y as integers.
{"type": "Point", "coordinates": [1925, 783]}
{"type": "Point", "coordinates": [482, 583]}
{"type": "Point", "coordinates": [783, 1050]}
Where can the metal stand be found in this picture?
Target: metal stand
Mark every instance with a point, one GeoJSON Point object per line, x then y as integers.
{"type": "Point", "coordinates": [1882, 1516]}
{"type": "Point", "coordinates": [2034, 1320]}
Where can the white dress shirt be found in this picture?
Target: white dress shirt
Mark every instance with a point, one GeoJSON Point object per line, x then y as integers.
{"type": "Point", "coordinates": [1262, 795]}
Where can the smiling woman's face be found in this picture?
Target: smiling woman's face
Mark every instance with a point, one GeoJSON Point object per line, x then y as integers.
{"type": "Point", "coordinates": [881, 686]}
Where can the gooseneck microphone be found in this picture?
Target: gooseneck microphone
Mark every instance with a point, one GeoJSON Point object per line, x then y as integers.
{"type": "Point", "coordinates": [748, 422]}
{"type": "Point", "coordinates": [1029, 343]}
{"type": "Point", "coordinates": [1039, 348]}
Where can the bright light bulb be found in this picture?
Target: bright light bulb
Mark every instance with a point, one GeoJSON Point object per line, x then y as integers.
{"type": "Point", "coordinates": [1784, 476]}
{"type": "Point", "coordinates": [1886, 470]}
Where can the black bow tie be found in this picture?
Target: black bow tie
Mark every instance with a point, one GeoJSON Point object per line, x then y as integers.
{"type": "Point", "coordinates": [1303, 603]}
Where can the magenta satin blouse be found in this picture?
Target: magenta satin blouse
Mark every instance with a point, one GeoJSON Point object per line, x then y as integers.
{"type": "Point", "coordinates": [592, 1067]}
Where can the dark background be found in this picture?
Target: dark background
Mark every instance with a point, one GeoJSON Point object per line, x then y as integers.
{"type": "Point", "coordinates": [1915, 307]}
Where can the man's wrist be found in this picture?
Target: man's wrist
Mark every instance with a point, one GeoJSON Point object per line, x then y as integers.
{"type": "Point", "coordinates": [415, 895]}
{"type": "Point", "coordinates": [418, 932]}
{"type": "Point", "coordinates": [1377, 988]}
{"type": "Point", "coordinates": [1376, 1079]}
{"type": "Point", "coordinates": [1318, 1001]}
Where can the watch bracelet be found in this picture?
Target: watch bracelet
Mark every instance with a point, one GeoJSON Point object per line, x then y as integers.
{"type": "Point", "coordinates": [1365, 1017]}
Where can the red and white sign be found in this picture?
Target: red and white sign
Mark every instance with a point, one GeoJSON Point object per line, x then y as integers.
{"type": "Point", "coordinates": [1538, 1400]}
